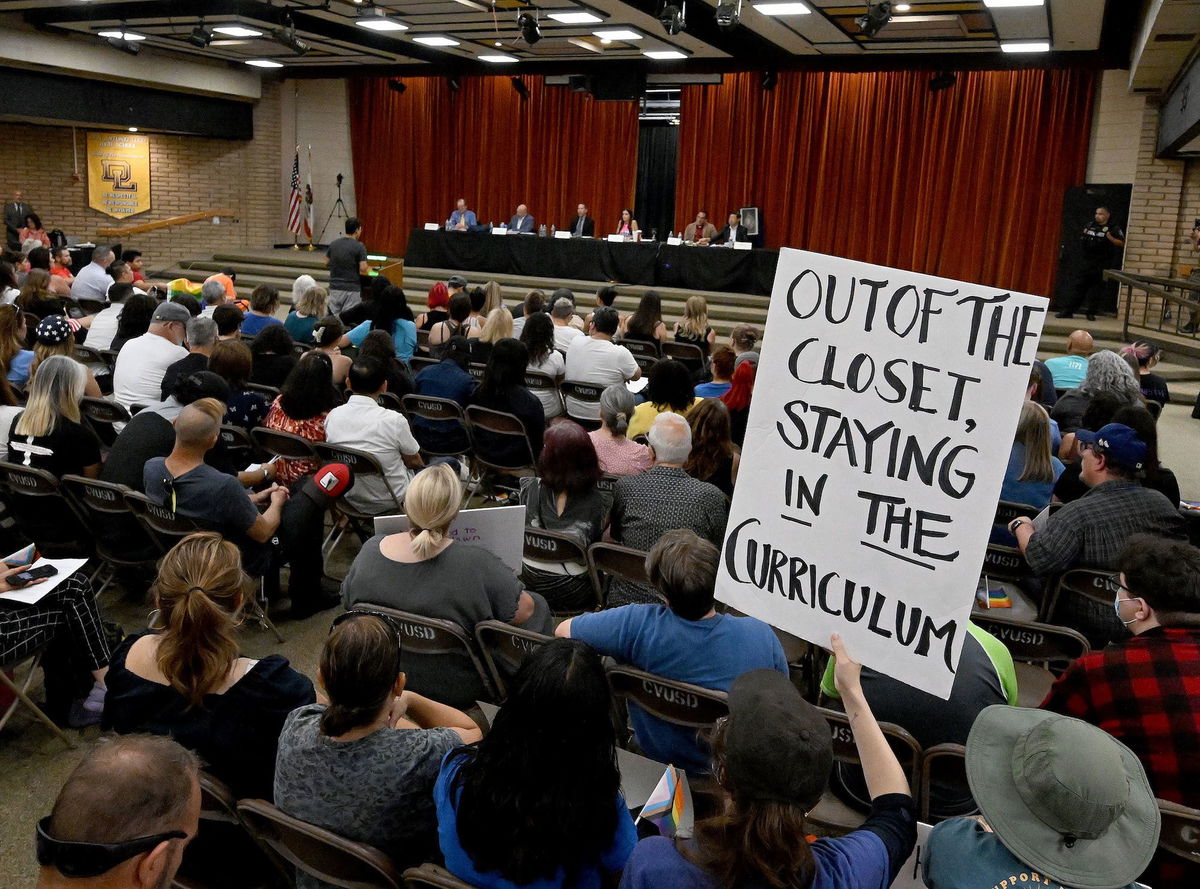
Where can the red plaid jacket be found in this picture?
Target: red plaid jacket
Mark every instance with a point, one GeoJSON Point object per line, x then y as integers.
{"type": "Point", "coordinates": [1146, 693]}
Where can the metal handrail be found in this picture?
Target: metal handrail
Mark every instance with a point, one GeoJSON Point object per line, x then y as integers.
{"type": "Point", "coordinates": [1162, 306]}
{"type": "Point", "coordinates": [141, 228]}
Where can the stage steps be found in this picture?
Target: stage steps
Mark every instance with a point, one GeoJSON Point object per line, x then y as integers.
{"type": "Point", "coordinates": [280, 268]}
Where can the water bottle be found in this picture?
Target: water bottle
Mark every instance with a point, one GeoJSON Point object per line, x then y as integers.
{"type": "Point", "coordinates": [542, 230]}
{"type": "Point", "coordinates": [552, 230]}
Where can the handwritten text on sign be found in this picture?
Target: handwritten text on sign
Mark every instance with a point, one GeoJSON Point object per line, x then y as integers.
{"type": "Point", "coordinates": [879, 432]}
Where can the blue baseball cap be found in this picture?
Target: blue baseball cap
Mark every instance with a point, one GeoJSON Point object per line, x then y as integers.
{"type": "Point", "coordinates": [1118, 442]}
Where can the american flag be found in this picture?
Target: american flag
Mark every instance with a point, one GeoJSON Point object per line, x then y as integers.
{"type": "Point", "coordinates": [296, 218]}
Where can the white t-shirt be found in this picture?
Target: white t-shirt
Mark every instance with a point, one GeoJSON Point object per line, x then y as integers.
{"type": "Point", "coordinates": [384, 434]}
{"type": "Point", "coordinates": [564, 336]}
{"type": "Point", "coordinates": [138, 376]}
{"type": "Point", "coordinates": [552, 366]}
{"type": "Point", "coordinates": [602, 362]}
{"type": "Point", "coordinates": [104, 327]}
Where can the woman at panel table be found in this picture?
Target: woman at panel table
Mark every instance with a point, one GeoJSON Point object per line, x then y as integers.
{"type": "Point", "coordinates": [627, 225]}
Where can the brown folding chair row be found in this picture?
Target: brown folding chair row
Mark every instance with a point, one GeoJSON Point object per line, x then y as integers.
{"type": "Point", "coordinates": [1081, 598]}
{"type": "Point", "coordinates": [1040, 652]}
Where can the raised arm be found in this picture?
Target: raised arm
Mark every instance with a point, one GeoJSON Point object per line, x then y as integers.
{"type": "Point", "coordinates": [880, 766]}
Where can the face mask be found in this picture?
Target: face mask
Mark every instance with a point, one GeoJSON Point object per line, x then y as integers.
{"type": "Point", "coordinates": [1117, 608]}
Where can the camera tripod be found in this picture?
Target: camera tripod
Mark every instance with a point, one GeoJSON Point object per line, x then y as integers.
{"type": "Point", "coordinates": [339, 208]}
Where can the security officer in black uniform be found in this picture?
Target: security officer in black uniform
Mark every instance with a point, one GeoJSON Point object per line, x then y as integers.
{"type": "Point", "coordinates": [1096, 245]}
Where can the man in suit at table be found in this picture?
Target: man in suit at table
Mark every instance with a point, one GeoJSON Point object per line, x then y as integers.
{"type": "Point", "coordinates": [701, 231]}
{"type": "Point", "coordinates": [733, 231]}
{"type": "Point", "coordinates": [582, 226]}
{"type": "Point", "coordinates": [522, 221]}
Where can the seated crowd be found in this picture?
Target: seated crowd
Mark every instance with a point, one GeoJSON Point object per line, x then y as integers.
{"type": "Point", "coordinates": [386, 745]}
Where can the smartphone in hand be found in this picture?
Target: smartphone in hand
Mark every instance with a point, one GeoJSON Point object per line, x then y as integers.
{"type": "Point", "coordinates": [24, 578]}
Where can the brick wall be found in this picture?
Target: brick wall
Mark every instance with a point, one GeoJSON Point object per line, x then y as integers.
{"type": "Point", "coordinates": [1116, 121]}
{"type": "Point", "coordinates": [187, 174]}
{"type": "Point", "coordinates": [1166, 197]}
{"type": "Point", "coordinates": [316, 113]}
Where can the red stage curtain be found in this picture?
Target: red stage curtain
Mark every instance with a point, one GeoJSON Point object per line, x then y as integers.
{"type": "Point", "coordinates": [416, 152]}
{"type": "Point", "coordinates": [966, 183]}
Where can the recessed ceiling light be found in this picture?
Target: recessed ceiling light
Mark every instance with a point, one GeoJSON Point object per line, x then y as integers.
{"type": "Point", "coordinates": [497, 43]}
{"type": "Point", "coordinates": [497, 58]}
{"type": "Point", "coordinates": [574, 18]}
{"type": "Point", "coordinates": [121, 35]}
{"type": "Point", "coordinates": [664, 54]}
{"type": "Point", "coordinates": [377, 23]}
{"type": "Point", "coordinates": [605, 41]}
{"type": "Point", "coordinates": [1001, 4]}
{"type": "Point", "coordinates": [263, 63]}
{"type": "Point", "coordinates": [618, 34]}
{"type": "Point", "coordinates": [901, 7]}
{"type": "Point", "coordinates": [237, 31]}
{"type": "Point", "coordinates": [133, 129]}
{"type": "Point", "coordinates": [782, 8]}
{"type": "Point", "coordinates": [436, 41]}
{"type": "Point", "coordinates": [1033, 46]}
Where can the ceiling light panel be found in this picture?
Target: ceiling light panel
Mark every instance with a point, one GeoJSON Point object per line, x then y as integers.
{"type": "Point", "coordinates": [664, 54]}
{"type": "Point", "coordinates": [1030, 46]}
{"type": "Point", "coordinates": [575, 18]}
{"type": "Point", "coordinates": [263, 63]}
{"type": "Point", "coordinates": [374, 23]}
{"type": "Point", "coordinates": [237, 31]}
{"type": "Point", "coordinates": [434, 40]}
{"type": "Point", "coordinates": [782, 8]}
{"type": "Point", "coordinates": [121, 35]}
{"type": "Point", "coordinates": [618, 34]}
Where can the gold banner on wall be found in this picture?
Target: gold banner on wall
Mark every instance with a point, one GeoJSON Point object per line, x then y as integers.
{"type": "Point", "coordinates": [118, 173]}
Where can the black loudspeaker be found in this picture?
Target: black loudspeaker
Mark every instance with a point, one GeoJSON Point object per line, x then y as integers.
{"type": "Point", "coordinates": [620, 86]}
{"type": "Point", "coordinates": [580, 83]}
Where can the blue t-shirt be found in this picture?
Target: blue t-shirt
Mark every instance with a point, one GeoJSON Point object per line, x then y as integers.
{"type": "Point", "coordinates": [1032, 492]}
{"type": "Point", "coordinates": [858, 860]}
{"type": "Point", "coordinates": [444, 380]}
{"type": "Point", "coordinates": [962, 854]}
{"type": "Point", "coordinates": [255, 323]}
{"type": "Point", "coordinates": [404, 335]}
{"type": "Point", "coordinates": [1068, 370]}
{"type": "Point", "coordinates": [712, 390]}
{"type": "Point", "coordinates": [710, 653]}
{"type": "Point", "coordinates": [18, 368]}
{"type": "Point", "coordinates": [459, 863]}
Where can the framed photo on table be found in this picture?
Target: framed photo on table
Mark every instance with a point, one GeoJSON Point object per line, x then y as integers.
{"type": "Point", "coordinates": [750, 220]}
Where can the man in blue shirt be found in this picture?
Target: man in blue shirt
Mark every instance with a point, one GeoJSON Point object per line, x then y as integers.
{"type": "Point", "coordinates": [686, 641]}
{"type": "Point", "coordinates": [462, 219]}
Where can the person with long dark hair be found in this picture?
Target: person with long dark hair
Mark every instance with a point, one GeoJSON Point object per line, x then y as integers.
{"type": "Point", "coordinates": [134, 319]}
{"type": "Point", "coordinates": [714, 457]}
{"type": "Point", "coordinates": [393, 317]}
{"type": "Point", "coordinates": [564, 498]}
{"type": "Point", "coordinates": [503, 389]}
{"type": "Point", "coordinates": [646, 323]}
{"type": "Point", "coordinates": [459, 310]}
{"type": "Point", "coordinates": [670, 390]}
{"type": "Point", "coordinates": [363, 763]}
{"type": "Point", "coordinates": [304, 402]}
{"type": "Point", "coordinates": [772, 757]}
{"type": "Point", "coordinates": [1154, 474]}
{"type": "Point", "coordinates": [627, 225]}
{"type": "Point", "coordinates": [272, 355]}
{"type": "Point", "coordinates": [498, 826]}
{"type": "Point", "coordinates": [380, 345]}
{"type": "Point", "coordinates": [538, 336]}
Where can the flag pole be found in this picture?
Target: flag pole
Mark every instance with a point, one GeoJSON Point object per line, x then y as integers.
{"type": "Point", "coordinates": [308, 194]}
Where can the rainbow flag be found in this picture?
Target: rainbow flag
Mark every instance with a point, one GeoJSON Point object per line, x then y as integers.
{"type": "Point", "coordinates": [670, 805]}
{"type": "Point", "coordinates": [22, 557]}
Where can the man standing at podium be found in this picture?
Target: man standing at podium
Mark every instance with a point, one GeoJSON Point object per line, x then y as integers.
{"type": "Point", "coordinates": [583, 226]}
{"type": "Point", "coordinates": [522, 221]}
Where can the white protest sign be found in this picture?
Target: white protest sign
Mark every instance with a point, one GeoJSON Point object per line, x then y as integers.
{"type": "Point", "coordinates": [498, 529]}
{"type": "Point", "coordinates": [879, 432]}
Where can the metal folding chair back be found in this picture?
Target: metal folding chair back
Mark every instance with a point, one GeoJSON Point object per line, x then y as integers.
{"type": "Point", "coordinates": [504, 648]}
{"type": "Point", "coordinates": [679, 703]}
{"type": "Point", "coordinates": [430, 876]}
{"type": "Point", "coordinates": [121, 540]}
{"type": "Point", "coordinates": [1081, 599]}
{"type": "Point", "coordinates": [240, 446]}
{"type": "Point", "coordinates": [318, 852]}
{"type": "Point", "coordinates": [688, 354]}
{"type": "Point", "coordinates": [165, 526]}
{"type": "Point", "coordinates": [432, 652]}
{"type": "Point", "coordinates": [43, 512]}
{"type": "Point", "coordinates": [609, 560]}
{"type": "Point", "coordinates": [262, 389]}
{"type": "Point", "coordinates": [501, 427]}
{"type": "Point", "coordinates": [536, 381]}
{"type": "Point", "coordinates": [21, 696]}
{"type": "Point", "coordinates": [419, 362]}
{"type": "Point", "coordinates": [1180, 834]}
{"type": "Point", "coordinates": [941, 764]}
{"type": "Point", "coordinates": [436, 410]}
{"type": "Point", "coordinates": [588, 393]}
{"type": "Point", "coordinates": [101, 414]}
{"type": "Point", "coordinates": [642, 348]}
{"type": "Point", "coordinates": [283, 444]}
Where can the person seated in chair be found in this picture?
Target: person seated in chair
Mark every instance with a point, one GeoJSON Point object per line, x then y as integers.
{"type": "Point", "coordinates": [687, 640]}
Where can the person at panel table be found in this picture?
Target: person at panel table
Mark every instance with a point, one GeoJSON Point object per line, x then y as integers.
{"type": "Point", "coordinates": [627, 225]}
{"type": "Point", "coordinates": [701, 231]}
{"type": "Point", "coordinates": [522, 221]}
{"type": "Point", "coordinates": [733, 232]}
{"type": "Point", "coordinates": [461, 219]}
{"type": "Point", "coordinates": [582, 226]}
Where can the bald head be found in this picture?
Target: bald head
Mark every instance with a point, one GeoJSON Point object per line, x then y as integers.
{"type": "Point", "coordinates": [1080, 343]}
{"type": "Point", "coordinates": [671, 438]}
{"type": "Point", "coordinates": [198, 424]}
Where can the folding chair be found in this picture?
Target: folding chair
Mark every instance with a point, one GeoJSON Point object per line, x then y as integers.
{"type": "Point", "coordinates": [391, 401]}
{"type": "Point", "coordinates": [607, 484]}
{"type": "Point", "coordinates": [433, 651]}
{"type": "Point", "coordinates": [419, 362]}
{"type": "Point", "coordinates": [317, 852]}
{"type": "Point", "coordinates": [90, 306]}
{"type": "Point", "coordinates": [270, 391]}
{"type": "Point", "coordinates": [438, 410]}
{"type": "Point", "coordinates": [483, 424]}
{"type": "Point", "coordinates": [1180, 834]}
{"type": "Point", "coordinates": [554, 546]}
{"type": "Point", "coordinates": [1154, 407]}
{"type": "Point", "coordinates": [298, 349]}
{"type": "Point", "coordinates": [642, 349]}
{"type": "Point", "coordinates": [20, 692]}
{"type": "Point", "coordinates": [423, 343]}
{"type": "Point", "coordinates": [43, 513]}
{"type": "Point", "coordinates": [588, 393]}
{"type": "Point", "coordinates": [1007, 510]}
{"type": "Point", "coordinates": [168, 528]}
{"type": "Point", "coordinates": [87, 355]}
{"type": "Point", "coordinates": [121, 541]}
{"type": "Point", "coordinates": [239, 446]}
{"type": "Point", "coordinates": [101, 414]}
{"type": "Point", "coordinates": [1037, 649]}
{"type": "Point", "coordinates": [476, 370]}
{"type": "Point", "coordinates": [834, 814]}
{"type": "Point", "coordinates": [1081, 599]}
{"type": "Point", "coordinates": [504, 647]}
{"type": "Point", "coordinates": [678, 703]}
{"type": "Point", "coordinates": [363, 465]}
{"type": "Point", "coordinates": [430, 876]}
{"type": "Point", "coordinates": [536, 381]}
{"type": "Point", "coordinates": [688, 354]}
{"type": "Point", "coordinates": [609, 560]}
{"type": "Point", "coordinates": [1005, 563]}
{"type": "Point", "coordinates": [943, 763]}
{"type": "Point", "coordinates": [224, 836]}
{"type": "Point", "coordinates": [109, 357]}
{"type": "Point", "coordinates": [283, 444]}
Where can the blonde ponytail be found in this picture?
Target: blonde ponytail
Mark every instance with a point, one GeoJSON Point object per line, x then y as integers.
{"type": "Point", "coordinates": [431, 503]}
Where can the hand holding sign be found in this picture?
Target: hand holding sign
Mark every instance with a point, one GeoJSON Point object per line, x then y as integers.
{"type": "Point", "coordinates": [877, 441]}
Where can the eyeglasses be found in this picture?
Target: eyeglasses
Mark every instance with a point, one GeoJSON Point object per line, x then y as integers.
{"type": "Point", "coordinates": [75, 859]}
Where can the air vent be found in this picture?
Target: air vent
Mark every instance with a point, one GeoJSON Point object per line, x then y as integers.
{"type": "Point", "coordinates": [1174, 38]}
